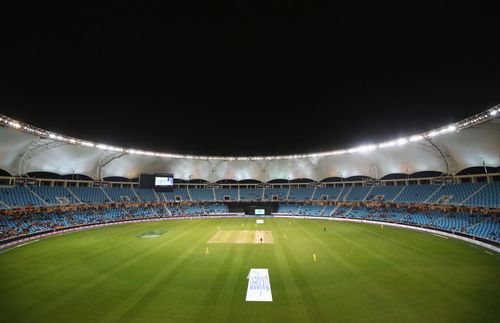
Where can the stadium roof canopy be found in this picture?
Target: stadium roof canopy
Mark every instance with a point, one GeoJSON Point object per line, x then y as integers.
{"type": "Point", "coordinates": [472, 142]}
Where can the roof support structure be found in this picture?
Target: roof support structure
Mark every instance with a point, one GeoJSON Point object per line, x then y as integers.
{"type": "Point", "coordinates": [314, 167]}
{"type": "Point", "coordinates": [105, 159]}
{"type": "Point", "coordinates": [440, 151]}
{"type": "Point", "coordinates": [36, 146]}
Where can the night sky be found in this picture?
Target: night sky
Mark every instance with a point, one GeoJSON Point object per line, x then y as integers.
{"type": "Point", "coordinates": [241, 80]}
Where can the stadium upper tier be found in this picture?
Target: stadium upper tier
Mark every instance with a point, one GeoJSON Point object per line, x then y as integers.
{"type": "Point", "coordinates": [472, 142]}
{"type": "Point", "coordinates": [465, 194]}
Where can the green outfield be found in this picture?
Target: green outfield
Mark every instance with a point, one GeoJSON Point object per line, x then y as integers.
{"type": "Point", "coordinates": [362, 273]}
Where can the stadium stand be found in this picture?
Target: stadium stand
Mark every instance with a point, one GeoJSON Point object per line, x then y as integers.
{"type": "Point", "coordinates": [90, 195]}
{"type": "Point", "coordinates": [251, 194]}
{"type": "Point", "coordinates": [417, 193]}
{"type": "Point", "coordinates": [54, 195]}
{"type": "Point", "coordinates": [454, 193]}
{"type": "Point", "coordinates": [276, 194]}
{"type": "Point", "coordinates": [488, 196]}
{"type": "Point", "coordinates": [202, 194]}
{"type": "Point", "coordinates": [357, 193]}
{"type": "Point", "coordinates": [328, 193]}
{"type": "Point", "coordinates": [300, 194]}
{"type": "Point", "coordinates": [146, 195]}
{"type": "Point", "coordinates": [312, 210]}
{"type": "Point", "coordinates": [225, 194]}
{"type": "Point", "coordinates": [384, 193]}
{"type": "Point", "coordinates": [216, 209]}
{"type": "Point", "coordinates": [18, 196]}
{"type": "Point", "coordinates": [121, 194]}
{"type": "Point", "coordinates": [467, 194]}
{"type": "Point", "coordinates": [179, 194]}
{"type": "Point", "coordinates": [487, 227]}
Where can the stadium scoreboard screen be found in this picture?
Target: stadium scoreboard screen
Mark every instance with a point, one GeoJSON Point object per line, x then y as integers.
{"type": "Point", "coordinates": [259, 209]}
{"type": "Point", "coordinates": [160, 182]}
{"type": "Point", "coordinates": [164, 182]}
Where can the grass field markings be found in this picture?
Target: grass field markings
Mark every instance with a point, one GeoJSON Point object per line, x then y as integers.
{"type": "Point", "coordinates": [19, 245]}
{"type": "Point", "coordinates": [439, 236]}
{"type": "Point", "coordinates": [127, 308]}
{"type": "Point", "coordinates": [234, 236]}
{"type": "Point", "coordinates": [214, 291]}
{"type": "Point", "coordinates": [216, 237]}
{"type": "Point", "coordinates": [228, 291]}
{"type": "Point", "coordinates": [138, 302]}
{"type": "Point", "coordinates": [391, 240]}
{"type": "Point", "coordinates": [314, 311]}
{"type": "Point", "coordinates": [421, 237]}
{"type": "Point", "coordinates": [176, 314]}
{"type": "Point", "coordinates": [380, 290]}
{"type": "Point", "coordinates": [152, 234]}
{"type": "Point", "coordinates": [489, 253]}
{"type": "Point", "coordinates": [242, 237]}
{"type": "Point", "coordinates": [228, 296]}
{"type": "Point", "coordinates": [75, 290]}
{"type": "Point", "coordinates": [267, 236]}
{"type": "Point", "coordinates": [441, 287]}
{"type": "Point", "coordinates": [291, 292]}
{"type": "Point", "coordinates": [136, 308]}
{"type": "Point", "coordinates": [91, 253]}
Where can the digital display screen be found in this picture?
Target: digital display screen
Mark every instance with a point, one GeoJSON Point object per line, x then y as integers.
{"type": "Point", "coordinates": [260, 211]}
{"type": "Point", "coordinates": [161, 182]}
{"type": "Point", "coordinates": [164, 181]}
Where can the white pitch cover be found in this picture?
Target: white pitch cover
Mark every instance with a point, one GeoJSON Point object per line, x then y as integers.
{"type": "Point", "coordinates": [259, 286]}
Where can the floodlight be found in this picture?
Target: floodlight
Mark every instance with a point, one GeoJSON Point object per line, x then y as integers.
{"type": "Point", "coordinates": [416, 138]}
{"type": "Point", "coordinates": [387, 144]}
{"type": "Point", "coordinates": [14, 124]}
{"type": "Point", "coordinates": [87, 144]}
{"type": "Point", "coordinates": [402, 141]}
{"type": "Point", "coordinates": [362, 149]}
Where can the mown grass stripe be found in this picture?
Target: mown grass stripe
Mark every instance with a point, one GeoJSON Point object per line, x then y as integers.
{"type": "Point", "coordinates": [438, 286]}
{"type": "Point", "coordinates": [313, 310]}
{"type": "Point", "coordinates": [362, 274]}
{"type": "Point", "coordinates": [291, 292]}
{"type": "Point", "coordinates": [59, 263]}
{"type": "Point", "coordinates": [128, 307]}
{"type": "Point", "coordinates": [79, 287]}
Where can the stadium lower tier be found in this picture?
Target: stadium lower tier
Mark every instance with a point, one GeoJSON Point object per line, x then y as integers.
{"type": "Point", "coordinates": [472, 224]}
{"type": "Point", "coordinates": [12, 226]}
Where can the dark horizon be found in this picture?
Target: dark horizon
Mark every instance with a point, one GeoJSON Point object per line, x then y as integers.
{"type": "Point", "coordinates": [301, 81]}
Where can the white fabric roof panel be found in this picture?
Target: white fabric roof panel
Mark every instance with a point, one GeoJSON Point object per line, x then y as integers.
{"type": "Point", "coordinates": [21, 153]}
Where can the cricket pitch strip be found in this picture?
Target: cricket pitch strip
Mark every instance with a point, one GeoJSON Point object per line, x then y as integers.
{"type": "Point", "coordinates": [242, 237]}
